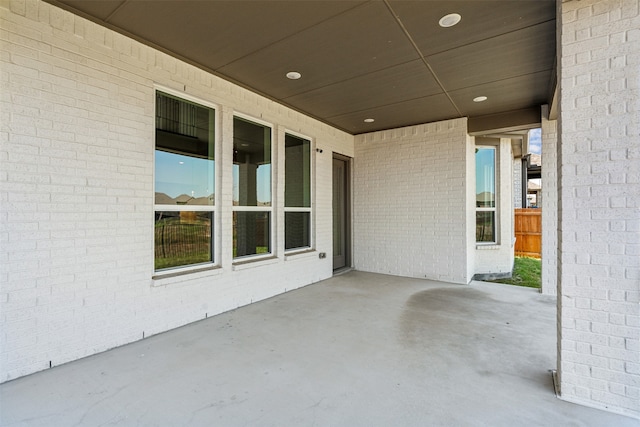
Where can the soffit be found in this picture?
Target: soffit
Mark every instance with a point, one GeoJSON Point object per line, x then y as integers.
{"type": "Point", "coordinates": [382, 59]}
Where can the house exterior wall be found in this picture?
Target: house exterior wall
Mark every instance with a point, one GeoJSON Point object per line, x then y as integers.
{"type": "Point", "coordinates": [470, 185]}
{"type": "Point", "coordinates": [411, 201]}
{"type": "Point", "coordinates": [496, 260]}
{"type": "Point", "coordinates": [517, 182]}
{"type": "Point", "coordinates": [77, 192]}
{"type": "Point", "coordinates": [549, 204]}
{"type": "Point", "coordinates": [599, 221]}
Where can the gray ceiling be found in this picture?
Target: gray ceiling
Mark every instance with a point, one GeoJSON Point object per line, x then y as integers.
{"type": "Point", "coordinates": [382, 59]}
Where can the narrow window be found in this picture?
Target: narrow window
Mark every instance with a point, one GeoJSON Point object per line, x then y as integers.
{"type": "Point", "coordinates": [184, 182]}
{"type": "Point", "coordinates": [486, 195]}
{"type": "Point", "coordinates": [297, 193]}
{"type": "Point", "coordinates": [252, 206]}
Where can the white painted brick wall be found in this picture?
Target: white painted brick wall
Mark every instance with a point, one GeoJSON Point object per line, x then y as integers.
{"type": "Point", "coordinates": [517, 183]}
{"type": "Point", "coordinates": [410, 201]}
{"type": "Point", "coordinates": [549, 204]}
{"type": "Point", "coordinates": [76, 192]}
{"type": "Point", "coordinates": [599, 229]}
{"type": "Point", "coordinates": [497, 259]}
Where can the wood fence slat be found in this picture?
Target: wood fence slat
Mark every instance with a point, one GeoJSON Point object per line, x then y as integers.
{"type": "Point", "coordinates": [528, 231]}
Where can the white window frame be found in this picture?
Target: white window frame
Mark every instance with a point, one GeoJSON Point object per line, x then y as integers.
{"type": "Point", "coordinates": [215, 208]}
{"type": "Point", "coordinates": [311, 208]}
{"type": "Point", "coordinates": [271, 209]}
{"type": "Point", "coordinates": [495, 208]}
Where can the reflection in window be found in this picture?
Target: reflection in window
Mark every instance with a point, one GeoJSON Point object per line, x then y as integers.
{"type": "Point", "coordinates": [251, 164]}
{"type": "Point", "coordinates": [182, 238]}
{"type": "Point", "coordinates": [297, 233]}
{"type": "Point", "coordinates": [485, 226]}
{"type": "Point", "coordinates": [184, 159]}
{"type": "Point", "coordinates": [184, 182]}
{"type": "Point", "coordinates": [297, 220]}
{"type": "Point", "coordinates": [486, 194]}
{"type": "Point", "coordinates": [251, 188]}
{"type": "Point", "coordinates": [251, 233]}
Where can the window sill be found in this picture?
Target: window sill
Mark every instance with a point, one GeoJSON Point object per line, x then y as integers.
{"type": "Point", "coordinates": [300, 254]}
{"type": "Point", "coordinates": [170, 277]}
{"type": "Point", "coordinates": [257, 262]}
{"type": "Point", "coordinates": [488, 247]}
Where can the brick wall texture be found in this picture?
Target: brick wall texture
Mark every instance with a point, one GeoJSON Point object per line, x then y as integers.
{"type": "Point", "coordinates": [599, 230]}
{"type": "Point", "coordinates": [517, 183]}
{"type": "Point", "coordinates": [410, 199]}
{"type": "Point", "coordinates": [76, 192]}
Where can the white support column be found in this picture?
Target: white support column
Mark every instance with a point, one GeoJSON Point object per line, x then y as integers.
{"type": "Point", "coordinates": [549, 204]}
{"type": "Point", "coordinates": [599, 216]}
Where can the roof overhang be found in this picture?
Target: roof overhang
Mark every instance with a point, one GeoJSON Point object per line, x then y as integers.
{"type": "Point", "coordinates": [387, 60]}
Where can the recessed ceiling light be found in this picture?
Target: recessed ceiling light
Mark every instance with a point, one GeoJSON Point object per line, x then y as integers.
{"type": "Point", "coordinates": [293, 75]}
{"type": "Point", "coordinates": [449, 20]}
{"type": "Point", "coordinates": [369, 120]}
{"type": "Point", "coordinates": [479, 98]}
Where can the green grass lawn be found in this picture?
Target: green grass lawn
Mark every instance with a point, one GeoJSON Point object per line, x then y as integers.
{"type": "Point", "coordinates": [526, 272]}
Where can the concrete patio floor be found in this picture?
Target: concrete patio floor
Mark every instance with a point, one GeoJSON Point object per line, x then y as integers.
{"type": "Point", "coordinates": [358, 349]}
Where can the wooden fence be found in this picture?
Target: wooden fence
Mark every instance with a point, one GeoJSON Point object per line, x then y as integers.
{"type": "Point", "coordinates": [528, 230]}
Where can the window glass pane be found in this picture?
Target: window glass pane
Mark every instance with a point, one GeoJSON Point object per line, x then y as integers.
{"type": "Point", "coordinates": [297, 186]}
{"type": "Point", "coordinates": [251, 164]}
{"type": "Point", "coordinates": [251, 233]}
{"type": "Point", "coordinates": [297, 230]}
{"type": "Point", "coordinates": [182, 238]}
{"type": "Point", "coordinates": [184, 157]}
{"type": "Point", "coordinates": [339, 208]}
{"type": "Point", "coordinates": [485, 177]}
{"type": "Point", "coordinates": [485, 226]}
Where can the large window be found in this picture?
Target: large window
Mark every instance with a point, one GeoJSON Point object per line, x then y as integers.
{"type": "Point", "coordinates": [486, 195]}
{"type": "Point", "coordinates": [252, 206]}
{"type": "Point", "coordinates": [297, 193]}
{"type": "Point", "coordinates": [184, 182]}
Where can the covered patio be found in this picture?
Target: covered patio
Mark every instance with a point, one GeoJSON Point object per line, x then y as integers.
{"type": "Point", "coordinates": [358, 349]}
{"type": "Point", "coordinates": [369, 121]}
